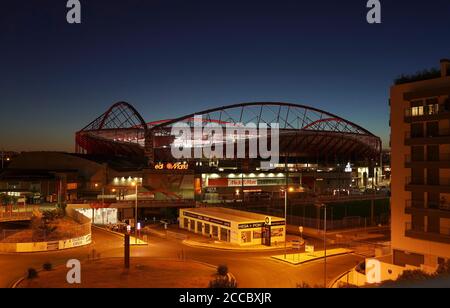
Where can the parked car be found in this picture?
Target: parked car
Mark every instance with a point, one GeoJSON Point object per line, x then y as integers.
{"type": "Point", "coordinates": [118, 227]}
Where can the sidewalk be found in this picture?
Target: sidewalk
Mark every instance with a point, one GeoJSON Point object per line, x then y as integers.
{"type": "Point", "coordinates": [300, 258]}
{"type": "Point", "coordinates": [133, 240]}
{"type": "Point", "coordinates": [194, 240]}
{"type": "Point", "coordinates": [233, 247]}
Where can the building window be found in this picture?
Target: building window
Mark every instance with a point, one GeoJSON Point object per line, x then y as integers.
{"type": "Point", "coordinates": [224, 235]}
{"type": "Point", "coordinates": [192, 224]}
{"type": "Point", "coordinates": [186, 223]}
{"type": "Point", "coordinates": [257, 234]}
{"type": "Point", "coordinates": [199, 226]}
{"type": "Point", "coordinates": [417, 111]}
{"type": "Point", "coordinates": [433, 109]}
{"type": "Point", "coordinates": [207, 229]}
{"type": "Point", "coordinates": [215, 231]}
{"type": "Point", "coordinates": [246, 236]}
{"type": "Point", "coordinates": [277, 232]}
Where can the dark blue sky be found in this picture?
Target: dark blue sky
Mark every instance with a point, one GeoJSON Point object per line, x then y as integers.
{"type": "Point", "coordinates": [169, 58]}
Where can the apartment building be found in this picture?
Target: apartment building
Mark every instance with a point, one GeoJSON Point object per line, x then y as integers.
{"type": "Point", "coordinates": [420, 163]}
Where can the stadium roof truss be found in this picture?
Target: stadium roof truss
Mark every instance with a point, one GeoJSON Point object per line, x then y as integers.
{"type": "Point", "coordinates": [304, 131]}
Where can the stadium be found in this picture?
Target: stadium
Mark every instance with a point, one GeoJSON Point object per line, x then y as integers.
{"type": "Point", "coordinates": [317, 152]}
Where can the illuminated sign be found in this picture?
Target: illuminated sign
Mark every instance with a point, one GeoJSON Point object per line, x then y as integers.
{"type": "Point", "coordinates": [348, 168]}
{"type": "Point", "coordinates": [260, 224]}
{"type": "Point", "coordinates": [238, 183]}
{"type": "Point", "coordinates": [13, 193]}
{"type": "Point", "coordinates": [172, 166]}
{"type": "Point", "coordinates": [72, 186]}
{"type": "Point", "coordinates": [309, 249]}
{"type": "Point", "coordinates": [208, 219]}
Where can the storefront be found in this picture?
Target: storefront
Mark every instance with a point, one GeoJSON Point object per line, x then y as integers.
{"type": "Point", "coordinates": [229, 187]}
{"type": "Point", "coordinates": [233, 226]}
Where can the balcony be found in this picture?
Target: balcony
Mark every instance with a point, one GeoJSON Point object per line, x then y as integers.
{"type": "Point", "coordinates": [442, 209]}
{"type": "Point", "coordinates": [442, 136]}
{"type": "Point", "coordinates": [433, 185]}
{"type": "Point", "coordinates": [443, 161]}
{"type": "Point", "coordinates": [427, 113]}
{"type": "Point", "coordinates": [423, 233]}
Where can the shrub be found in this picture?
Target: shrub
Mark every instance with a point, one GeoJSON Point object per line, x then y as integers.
{"type": "Point", "coordinates": [53, 214]}
{"type": "Point", "coordinates": [303, 285]}
{"type": "Point", "coordinates": [413, 276]}
{"type": "Point", "coordinates": [47, 266]}
{"type": "Point", "coordinates": [32, 273]}
{"type": "Point", "coordinates": [222, 270]}
{"type": "Point", "coordinates": [443, 269]}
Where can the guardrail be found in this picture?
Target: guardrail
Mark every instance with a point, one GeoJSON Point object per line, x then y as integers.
{"type": "Point", "coordinates": [421, 204]}
{"type": "Point", "coordinates": [442, 157]}
{"type": "Point", "coordinates": [424, 181]}
{"type": "Point", "coordinates": [444, 231]}
{"type": "Point", "coordinates": [444, 132]}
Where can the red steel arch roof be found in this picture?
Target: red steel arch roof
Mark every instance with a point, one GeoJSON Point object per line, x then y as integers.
{"type": "Point", "coordinates": [304, 130]}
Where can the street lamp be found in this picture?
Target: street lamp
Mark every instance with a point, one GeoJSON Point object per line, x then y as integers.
{"type": "Point", "coordinates": [103, 203]}
{"type": "Point", "coordinates": [324, 243]}
{"type": "Point", "coordinates": [286, 189]}
{"type": "Point", "coordinates": [135, 184]}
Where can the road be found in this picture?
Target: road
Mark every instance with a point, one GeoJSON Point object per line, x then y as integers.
{"type": "Point", "coordinates": [251, 269]}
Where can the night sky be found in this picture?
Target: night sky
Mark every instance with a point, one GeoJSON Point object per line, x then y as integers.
{"type": "Point", "coordinates": [169, 58]}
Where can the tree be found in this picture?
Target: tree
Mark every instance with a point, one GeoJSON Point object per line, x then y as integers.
{"type": "Point", "coordinates": [32, 273]}
{"type": "Point", "coordinates": [443, 269]}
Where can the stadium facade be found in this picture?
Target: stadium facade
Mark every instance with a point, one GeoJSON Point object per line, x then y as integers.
{"type": "Point", "coordinates": [319, 152]}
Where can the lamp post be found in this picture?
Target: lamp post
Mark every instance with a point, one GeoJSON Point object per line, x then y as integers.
{"type": "Point", "coordinates": [135, 184]}
{"type": "Point", "coordinates": [324, 244]}
{"type": "Point", "coordinates": [103, 203]}
{"type": "Point", "coordinates": [285, 222]}
{"type": "Point", "coordinates": [285, 206]}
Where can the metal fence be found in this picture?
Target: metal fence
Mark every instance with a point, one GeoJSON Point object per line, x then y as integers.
{"type": "Point", "coordinates": [354, 222]}
{"type": "Point", "coordinates": [346, 223]}
{"type": "Point", "coordinates": [15, 213]}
